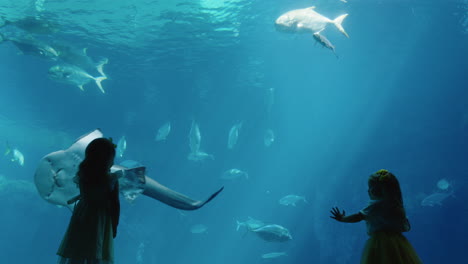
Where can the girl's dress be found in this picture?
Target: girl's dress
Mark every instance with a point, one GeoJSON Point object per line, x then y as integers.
{"type": "Point", "coordinates": [386, 244]}
{"type": "Point", "coordinates": [90, 233]}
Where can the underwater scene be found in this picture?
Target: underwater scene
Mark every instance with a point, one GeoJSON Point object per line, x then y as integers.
{"type": "Point", "coordinates": [239, 124]}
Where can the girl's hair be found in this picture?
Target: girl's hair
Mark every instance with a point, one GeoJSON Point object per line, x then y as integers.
{"type": "Point", "coordinates": [94, 167]}
{"type": "Point", "coordinates": [386, 186]}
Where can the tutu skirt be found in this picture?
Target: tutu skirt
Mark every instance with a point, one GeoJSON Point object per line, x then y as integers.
{"type": "Point", "coordinates": [389, 248]}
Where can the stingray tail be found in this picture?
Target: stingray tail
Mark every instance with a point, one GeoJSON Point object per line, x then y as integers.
{"type": "Point", "coordinates": [337, 22]}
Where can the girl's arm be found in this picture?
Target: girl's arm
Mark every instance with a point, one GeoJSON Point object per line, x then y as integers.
{"type": "Point", "coordinates": [338, 216]}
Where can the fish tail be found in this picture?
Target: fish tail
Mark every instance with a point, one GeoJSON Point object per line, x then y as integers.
{"type": "Point", "coordinates": [100, 66]}
{"type": "Point", "coordinates": [98, 81]}
{"type": "Point", "coordinates": [239, 224]}
{"type": "Point", "coordinates": [337, 22]}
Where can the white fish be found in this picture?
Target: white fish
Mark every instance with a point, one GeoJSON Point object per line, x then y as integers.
{"type": "Point", "coordinates": [16, 155]}
{"type": "Point", "coordinates": [194, 138]}
{"type": "Point", "coordinates": [250, 224]}
{"type": "Point", "coordinates": [273, 233]}
{"type": "Point", "coordinates": [273, 255]}
{"type": "Point", "coordinates": [443, 184]}
{"type": "Point", "coordinates": [199, 229]}
{"type": "Point", "coordinates": [269, 137]}
{"type": "Point", "coordinates": [74, 75]}
{"type": "Point", "coordinates": [234, 135]}
{"type": "Point", "coordinates": [307, 20]}
{"type": "Point", "coordinates": [291, 199]}
{"type": "Point", "coordinates": [436, 198]}
{"type": "Point", "coordinates": [234, 174]}
{"type": "Point", "coordinates": [121, 147]}
{"type": "Point", "coordinates": [200, 156]}
{"type": "Point", "coordinates": [163, 131]}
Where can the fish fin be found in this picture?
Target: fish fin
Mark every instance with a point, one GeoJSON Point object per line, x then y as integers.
{"type": "Point", "coordinates": [337, 22]}
{"type": "Point", "coordinates": [312, 7]}
{"type": "Point", "coordinates": [85, 51]}
{"type": "Point", "coordinates": [100, 66]}
{"type": "Point", "coordinates": [98, 81]}
{"type": "Point", "coordinates": [81, 87]}
{"type": "Point", "coordinates": [8, 148]}
{"type": "Point", "coordinates": [238, 225]}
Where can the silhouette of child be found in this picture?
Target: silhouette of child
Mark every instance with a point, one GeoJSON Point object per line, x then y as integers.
{"type": "Point", "coordinates": [93, 225]}
{"type": "Point", "coordinates": [386, 220]}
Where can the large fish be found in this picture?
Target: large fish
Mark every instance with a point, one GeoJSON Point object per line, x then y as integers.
{"type": "Point", "coordinates": [163, 131]}
{"type": "Point", "coordinates": [234, 174]}
{"type": "Point", "coordinates": [291, 199]}
{"type": "Point", "coordinates": [55, 172]}
{"type": "Point", "coordinates": [194, 138]}
{"type": "Point", "coordinates": [234, 135]}
{"type": "Point", "coordinates": [273, 233]}
{"type": "Point", "coordinates": [31, 46]}
{"type": "Point", "coordinates": [307, 20]}
{"type": "Point", "coordinates": [71, 74]}
{"type": "Point", "coordinates": [121, 147]}
{"type": "Point", "coordinates": [436, 198]}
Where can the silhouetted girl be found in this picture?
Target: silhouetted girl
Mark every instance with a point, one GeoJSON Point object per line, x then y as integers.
{"type": "Point", "coordinates": [93, 225]}
{"type": "Point", "coordinates": [386, 220]}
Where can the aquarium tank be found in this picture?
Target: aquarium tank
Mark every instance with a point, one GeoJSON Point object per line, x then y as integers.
{"type": "Point", "coordinates": [238, 124]}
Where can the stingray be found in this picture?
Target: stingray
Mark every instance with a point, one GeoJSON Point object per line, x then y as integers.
{"type": "Point", "coordinates": [55, 172]}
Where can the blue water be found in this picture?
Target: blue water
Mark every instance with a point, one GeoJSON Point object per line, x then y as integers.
{"type": "Point", "coordinates": [396, 98]}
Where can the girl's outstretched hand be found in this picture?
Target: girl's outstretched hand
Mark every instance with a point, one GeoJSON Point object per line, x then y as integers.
{"type": "Point", "coordinates": [337, 215]}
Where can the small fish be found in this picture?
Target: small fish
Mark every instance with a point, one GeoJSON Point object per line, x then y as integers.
{"type": "Point", "coordinates": [234, 135]}
{"type": "Point", "coordinates": [16, 155]}
{"type": "Point", "coordinates": [234, 174]}
{"type": "Point", "coordinates": [74, 75]}
{"type": "Point", "coordinates": [291, 200]}
{"type": "Point", "coordinates": [273, 233]}
{"type": "Point", "coordinates": [443, 184]}
{"type": "Point", "coordinates": [163, 131]}
{"type": "Point", "coordinates": [194, 138]}
{"type": "Point", "coordinates": [322, 40]}
{"type": "Point", "coordinates": [269, 137]}
{"type": "Point", "coordinates": [307, 20]}
{"type": "Point", "coordinates": [199, 229]}
{"type": "Point", "coordinates": [436, 198]}
{"type": "Point", "coordinates": [121, 147]}
{"type": "Point", "coordinates": [250, 224]}
{"type": "Point", "coordinates": [273, 255]}
{"type": "Point", "coordinates": [200, 156]}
